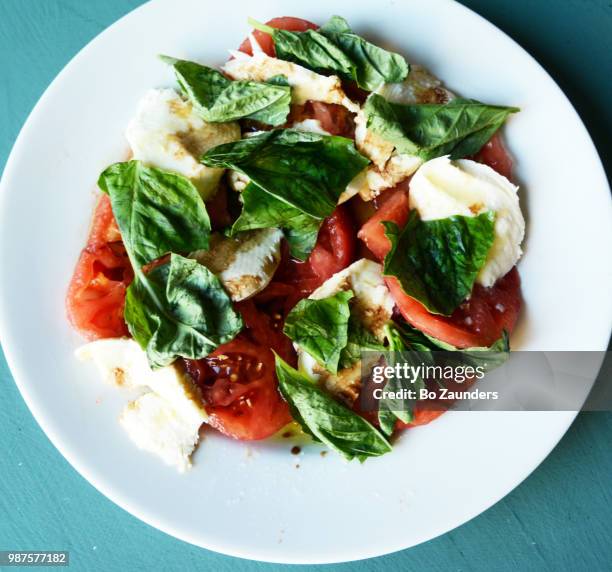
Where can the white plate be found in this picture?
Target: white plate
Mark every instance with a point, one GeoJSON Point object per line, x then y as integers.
{"type": "Point", "coordinates": [251, 500]}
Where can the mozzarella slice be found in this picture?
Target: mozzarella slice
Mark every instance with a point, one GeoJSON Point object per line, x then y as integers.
{"type": "Point", "coordinates": [420, 86]}
{"type": "Point", "coordinates": [168, 133]}
{"type": "Point", "coordinates": [245, 263]}
{"type": "Point", "coordinates": [154, 425]}
{"type": "Point", "coordinates": [311, 126]}
{"type": "Point", "coordinates": [166, 419]}
{"type": "Point", "coordinates": [372, 305]}
{"type": "Point", "coordinates": [442, 188]}
{"type": "Point", "coordinates": [389, 167]}
{"type": "Point", "coordinates": [306, 85]}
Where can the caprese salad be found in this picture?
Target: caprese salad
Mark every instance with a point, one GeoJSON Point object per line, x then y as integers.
{"type": "Point", "coordinates": [314, 197]}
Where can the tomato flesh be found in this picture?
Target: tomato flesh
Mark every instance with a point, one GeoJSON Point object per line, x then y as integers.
{"type": "Point", "coordinates": [282, 23]}
{"type": "Point", "coordinates": [96, 295]}
{"type": "Point", "coordinates": [238, 380]}
{"type": "Point", "coordinates": [334, 250]}
{"type": "Point", "coordinates": [478, 322]}
{"type": "Point", "coordinates": [495, 155]}
{"type": "Point", "coordinates": [394, 209]}
{"type": "Point", "coordinates": [335, 119]}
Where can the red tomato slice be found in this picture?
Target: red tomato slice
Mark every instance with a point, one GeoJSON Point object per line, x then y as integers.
{"type": "Point", "coordinates": [218, 210]}
{"type": "Point", "coordinates": [335, 119]}
{"type": "Point", "coordinates": [238, 380]}
{"type": "Point", "coordinates": [334, 251]}
{"type": "Point", "coordinates": [422, 416]}
{"type": "Point", "coordinates": [335, 247]}
{"type": "Point", "coordinates": [103, 226]}
{"type": "Point", "coordinates": [478, 322]}
{"type": "Point", "coordinates": [294, 280]}
{"type": "Point", "coordinates": [282, 23]}
{"type": "Point", "coordinates": [96, 294]}
{"type": "Point", "coordinates": [395, 209]}
{"type": "Point", "coordinates": [495, 154]}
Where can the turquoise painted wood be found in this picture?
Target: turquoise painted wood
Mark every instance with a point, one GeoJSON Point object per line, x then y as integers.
{"type": "Point", "coordinates": [560, 518]}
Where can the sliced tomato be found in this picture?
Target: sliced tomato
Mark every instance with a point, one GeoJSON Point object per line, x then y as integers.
{"type": "Point", "coordinates": [335, 119]}
{"type": "Point", "coordinates": [238, 380]}
{"type": "Point", "coordinates": [104, 228]}
{"type": "Point", "coordinates": [495, 154]}
{"type": "Point", "coordinates": [96, 295]}
{"type": "Point", "coordinates": [282, 23]}
{"type": "Point", "coordinates": [218, 210]}
{"type": "Point", "coordinates": [335, 247]}
{"type": "Point", "coordinates": [334, 250]}
{"type": "Point", "coordinates": [478, 322]}
{"type": "Point", "coordinates": [422, 415]}
{"type": "Point", "coordinates": [395, 209]}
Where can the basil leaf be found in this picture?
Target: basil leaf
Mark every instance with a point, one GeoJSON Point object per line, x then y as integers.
{"type": "Point", "coordinates": [219, 99]}
{"type": "Point", "coordinates": [488, 358]}
{"type": "Point", "coordinates": [437, 261]}
{"type": "Point", "coordinates": [320, 327]}
{"type": "Point", "coordinates": [178, 309]}
{"type": "Point", "coordinates": [157, 211]}
{"type": "Point", "coordinates": [328, 420]}
{"type": "Point", "coordinates": [459, 128]}
{"type": "Point", "coordinates": [359, 339]}
{"type": "Point", "coordinates": [305, 170]}
{"type": "Point", "coordinates": [263, 210]}
{"type": "Point", "coordinates": [392, 409]}
{"type": "Point", "coordinates": [373, 65]}
{"type": "Point", "coordinates": [334, 48]}
{"type": "Point", "coordinates": [415, 348]}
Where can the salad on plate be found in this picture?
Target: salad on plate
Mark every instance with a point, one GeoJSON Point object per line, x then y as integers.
{"type": "Point", "coordinates": [314, 198]}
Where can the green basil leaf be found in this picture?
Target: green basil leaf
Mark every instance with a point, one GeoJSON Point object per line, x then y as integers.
{"type": "Point", "coordinates": [263, 210]}
{"type": "Point", "coordinates": [458, 128]}
{"type": "Point", "coordinates": [320, 327]}
{"type": "Point", "coordinates": [373, 65]}
{"type": "Point", "coordinates": [334, 48]}
{"type": "Point", "coordinates": [488, 357]}
{"type": "Point", "coordinates": [219, 99]}
{"type": "Point", "coordinates": [437, 261]}
{"type": "Point", "coordinates": [411, 346]}
{"type": "Point", "coordinates": [305, 170]}
{"type": "Point", "coordinates": [392, 409]}
{"type": "Point", "coordinates": [157, 211]}
{"type": "Point", "coordinates": [359, 339]}
{"type": "Point", "coordinates": [328, 420]}
{"type": "Point", "coordinates": [178, 309]}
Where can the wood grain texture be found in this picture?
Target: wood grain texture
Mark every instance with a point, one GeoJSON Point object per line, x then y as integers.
{"type": "Point", "coordinates": [560, 518]}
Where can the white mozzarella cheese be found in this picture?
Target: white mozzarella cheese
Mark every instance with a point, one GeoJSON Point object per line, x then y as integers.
{"type": "Point", "coordinates": [373, 301]}
{"type": "Point", "coordinates": [154, 425]}
{"type": "Point", "coordinates": [311, 126]}
{"type": "Point", "coordinates": [389, 167]}
{"type": "Point", "coordinates": [245, 263]}
{"type": "Point", "coordinates": [238, 181]}
{"type": "Point", "coordinates": [306, 85]}
{"type": "Point", "coordinates": [167, 133]}
{"type": "Point", "coordinates": [443, 188]}
{"type": "Point", "coordinates": [420, 86]}
{"type": "Point", "coordinates": [373, 306]}
{"type": "Point", "coordinates": [166, 419]}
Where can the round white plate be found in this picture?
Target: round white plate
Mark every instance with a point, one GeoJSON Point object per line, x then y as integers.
{"type": "Point", "coordinates": [253, 500]}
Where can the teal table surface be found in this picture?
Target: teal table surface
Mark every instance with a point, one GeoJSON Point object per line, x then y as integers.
{"type": "Point", "coordinates": [560, 518]}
